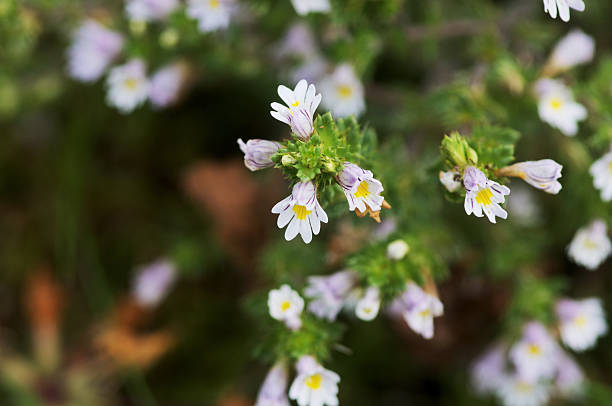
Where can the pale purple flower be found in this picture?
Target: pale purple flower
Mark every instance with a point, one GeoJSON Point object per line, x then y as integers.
{"type": "Point", "coordinates": [127, 86]}
{"type": "Point", "coordinates": [257, 153]}
{"type": "Point", "coordinates": [273, 391]}
{"type": "Point", "coordinates": [153, 281]}
{"type": "Point", "coordinates": [166, 84]}
{"type": "Point", "coordinates": [488, 371]}
{"type": "Point", "coordinates": [383, 230]}
{"type": "Point", "coordinates": [298, 41]}
{"type": "Point", "coordinates": [542, 174]}
{"type": "Point", "coordinates": [483, 195]}
{"type": "Point", "coordinates": [329, 293]}
{"type": "Point", "coordinates": [150, 10]}
{"type": "Point", "coordinates": [302, 102]}
{"type": "Point", "coordinates": [570, 378]}
{"type": "Point", "coordinates": [535, 354]}
{"type": "Point", "coordinates": [573, 49]}
{"type": "Point", "coordinates": [93, 48]}
{"type": "Point", "coordinates": [581, 322]}
{"type": "Point", "coordinates": [212, 15]}
{"type": "Point", "coordinates": [362, 191]}
{"type": "Point", "coordinates": [418, 308]}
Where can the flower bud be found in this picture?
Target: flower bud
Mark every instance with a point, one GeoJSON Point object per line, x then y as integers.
{"type": "Point", "coordinates": [287, 160]}
{"type": "Point", "coordinates": [542, 174]}
{"type": "Point", "coordinates": [397, 250]}
{"type": "Point", "coordinates": [258, 153]}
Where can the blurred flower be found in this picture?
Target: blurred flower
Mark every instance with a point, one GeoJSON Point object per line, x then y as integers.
{"type": "Point", "coordinates": [450, 180]}
{"type": "Point", "coordinates": [360, 188]}
{"type": "Point", "coordinates": [301, 211]}
{"type": "Point", "coordinates": [150, 10]}
{"type": "Point", "coordinates": [328, 293]}
{"type": "Point", "coordinates": [167, 83]}
{"type": "Point", "coordinates": [298, 41]}
{"type": "Point", "coordinates": [303, 7]}
{"type": "Point", "coordinates": [483, 195]}
{"type": "Point", "coordinates": [343, 92]}
{"type": "Point", "coordinates": [286, 305]}
{"type": "Point", "coordinates": [556, 106]}
{"type": "Point", "coordinates": [523, 207]}
{"type": "Point", "coordinates": [601, 170]}
{"type": "Point", "coordinates": [534, 355]}
{"type": "Point", "coordinates": [563, 6]}
{"type": "Point", "coordinates": [542, 174]}
{"type": "Point", "coordinates": [314, 385]}
{"type": "Point", "coordinates": [488, 371]}
{"type": "Point", "coordinates": [153, 281]}
{"type": "Point", "coordinates": [385, 229]}
{"type": "Point", "coordinates": [591, 245]}
{"type": "Point", "coordinates": [418, 309]}
{"type": "Point", "coordinates": [368, 306]}
{"type": "Point", "coordinates": [257, 153]}
{"type": "Point", "coordinates": [273, 391]}
{"type": "Point", "coordinates": [582, 322]}
{"type": "Point", "coordinates": [397, 250]}
{"type": "Point", "coordinates": [574, 49]}
{"type": "Point", "coordinates": [128, 86]}
{"type": "Point", "coordinates": [93, 48]}
{"type": "Point", "coordinates": [311, 68]}
{"type": "Point", "coordinates": [302, 102]}
{"type": "Point", "coordinates": [515, 391]}
{"type": "Point", "coordinates": [212, 15]}
{"type": "Point", "coordinates": [570, 378]}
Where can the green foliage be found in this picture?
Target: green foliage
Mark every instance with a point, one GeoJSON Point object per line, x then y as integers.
{"type": "Point", "coordinates": [494, 145]}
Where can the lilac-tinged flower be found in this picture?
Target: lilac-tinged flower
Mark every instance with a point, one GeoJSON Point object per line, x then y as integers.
{"type": "Point", "coordinates": [591, 245]}
{"type": "Point", "coordinates": [488, 371]}
{"type": "Point", "coordinates": [298, 41]}
{"type": "Point", "coordinates": [418, 309]}
{"type": "Point", "coordinates": [450, 180]}
{"type": "Point", "coordinates": [368, 306]}
{"type": "Point", "coordinates": [257, 153]}
{"type": "Point", "coordinates": [343, 92]}
{"type": "Point", "coordinates": [542, 174]}
{"type": "Point", "coordinates": [302, 102]}
{"type": "Point", "coordinates": [153, 281]}
{"type": "Point", "coordinates": [314, 385]}
{"type": "Point", "coordinates": [212, 15]}
{"type": "Point", "coordinates": [166, 84]}
{"type": "Point", "coordinates": [535, 354]}
{"type": "Point", "coordinates": [286, 305]}
{"type": "Point", "coordinates": [93, 48]}
{"type": "Point", "coordinates": [483, 195]}
{"type": "Point", "coordinates": [601, 170]}
{"type": "Point", "coordinates": [570, 378]}
{"type": "Point", "coordinates": [360, 188]}
{"type": "Point", "coordinates": [563, 7]}
{"type": "Point", "coordinates": [574, 49]}
{"type": "Point", "coordinates": [128, 86]}
{"type": "Point", "coordinates": [516, 391]}
{"type": "Point", "coordinates": [150, 10]}
{"type": "Point", "coordinates": [303, 7]}
{"type": "Point", "coordinates": [581, 322]}
{"type": "Point", "coordinates": [301, 212]}
{"type": "Point", "coordinates": [273, 391]}
{"type": "Point", "coordinates": [385, 229]}
{"type": "Point", "coordinates": [329, 293]}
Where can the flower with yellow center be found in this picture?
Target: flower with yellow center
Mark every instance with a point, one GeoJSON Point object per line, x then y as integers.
{"type": "Point", "coordinates": [534, 355]}
{"type": "Point", "coordinates": [362, 191]}
{"type": "Point", "coordinates": [601, 170]}
{"type": "Point", "coordinates": [581, 322]}
{"type": "Point", "coordinates": [591, 245]}
{"type": "Point", "coordinates": [128, 86]}
{"type": "Point", "coordinates": [557, 107]}
{"type": "Point", "coordinates": [314, 385]}
{"type": "Point", "coordinates": [212, 15]}
{"type": "Point", "coordinates": [418, 308]}
{"type": "Point", "coordinates": [343, 92]}
{"type": "Point", "coordinates": [150, 10]}
{"type": "Point", "coordinates": [298, 111]}
{"type": "Point", "coordinates": [483, 195]}
{"type": "Point", "coordinates": [285, 304]}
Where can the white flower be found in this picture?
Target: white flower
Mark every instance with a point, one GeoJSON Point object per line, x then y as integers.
{"type": "Point", "coordinates": [150, 10]}
{"type": "Point", "coordinates": [488, 371]}
{"type": "Point", "coordinates": [573, 49]}
{"type": "Point", "coordinates": [450, 180]}
{"type": "Point", "coordinates": [153, 281]}
{"type": "Point", "coordinates": [302, 104]}
{"type": "Point", "coordinates": [301, 211]}
{"type": "Point", "coordinates": [418, 309]}
{"type": "Point", "coordinates": [601, 170]}
{"type": "Point", "coordinates": [557, 107]}
{"type": "Point", "coordinates": [166, 84]}
{"type": "Point", "coordinates": [128, 86]}
{"type": "Point", "coordinates": [551, 6]}
{"type": "Point", "coordinates": [329, 293]}
{"type": "Point", "coordinates": [397, 250]}
{"type": "Point", "coordinates": [542, 174]}
{"type": "Point", "coordinates": [314, 385]}
{"type": "Point", "coordinates": [368, 306]}
{"type": "Point", "coordinates": [582, 322]}
{"type": "Point", "coordinates": [591, 245]}
{"type": "Point", "coordinates": [257, 153]}
{"type": "Point", "coordinates": [483, 195]}
{"type": "Point", "coordinates": [343, 92]}
{"type": "Point", "coordinates": [93, 49]}
{"type": "Point", "coordinates": [303, 7]}
{"type": "Point", "coordinates": [534, 355]}
{"type": "Point", "coordinates": [212, 15]}
{"type": "Point", "coordinates": [286, 305]}
{"type": "Point", "coordinates": [362, 191]}
{"type": "Point", "coordinates": [273, 391]}
{"type": "Point", "coordinates": [570, 378]}
{"type": "Point", "coordinates": [515, 391]}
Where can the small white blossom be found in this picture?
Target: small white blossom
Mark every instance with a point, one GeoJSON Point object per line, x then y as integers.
{"type": "Point", "coordinates": [488, 371]}
{"type": "Point", "coordinates": [343, 92]}
{"type": "Point", "coordinates": [150, 10]}
{"type": "Point", "coordinates": [601, 170]}
{"type": "Point", "coordinates": [257, 153]}
{"type": "Point", "coordinates": [483, 195]}
{"type": "Point", "coordinates": [563, 7]}
{"type": "Point", "coordinates": [302, 103]}
{"type": "Point", "coordinates": [166, 84]}
{"type": "Point", "coordinates": [362, 191]}
{"type": "Point", "coordinates": [556, 106]}
{"type": "Point", "coordinates": [542, 174]}
{"type": "Point", "coordinates": [534, 355]}
{"type": "Point", "coordinates": [515, 391]}
{"type": "Point", "coordinates": [153, 281]}
{"type": "Point", "coordinates": [397, 250]}
{"type": "Point", "coordinates": [591, 245]}
{"type": "Point", "coordinates": [418, 309]}
{"type": "Point", "coordinates": [574, 49]}
{"type": "Point", "coordinates": [273, 391]}
{"type": "Point", "coordinates": [212, 15]}
{"type": "Point", "coordinates": [128, 86]}
{"type": "Point", "coordinates": [329, 293]}
{"type": "Point", "coordinates": [314, 385]}
{"type": "Point", "coordinates": [582, 322]}
{"type": "Point", "coordinates": [286, 305]}
{"type": "Point", "coordinates": [301, 211]}
{"type": "Point", "coordinates": [93, 48]}
{"type": "Point", "coordinates": [303, 7]}
{"type": "Point", "coordinates": [450, 180]}
{"type": "Point", "coordinates": [368, 306]}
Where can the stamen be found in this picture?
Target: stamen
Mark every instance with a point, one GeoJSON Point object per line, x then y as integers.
{"type": "Point", "coordinates": [301, 212]}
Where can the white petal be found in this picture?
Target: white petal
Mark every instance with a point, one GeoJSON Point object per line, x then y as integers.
{"type": "Point", "coordinates": [292, 229]}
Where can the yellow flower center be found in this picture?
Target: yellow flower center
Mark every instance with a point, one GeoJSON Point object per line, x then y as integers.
{"type": "Point", "coordinates": [297, 103]}
{"type": "Point", "coordinates": [363, 190]}
{"type": "Point", "coordinates": [590, 244]}
{"type": "Point", "coordinates": [131, 83]}
{"type": "Point", "coordinates": [425, 313]}
{"type": "Point", "coordinates": [610, 166]}
{"type": "Point", "coordinates": [213, 3]}
{"type": "Point", "coordinates": [344, 91]}
{"type": "Point", "coordinates": [580, 321]}
{"type": "Point", "coordinates": [285, 306]}
{"type": "Point", "coordinates": [534, 349]}
{"type": "Point", "coordinates": [556, 103]}
{"type": "Point", "coordinates": [314, 381]}
{"type": "Point", "coordinates": [523, 387]}
{"type": "Point", "coordinates": [301, 212]}
{"type": "Point", "coordinates": [484, 197]}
